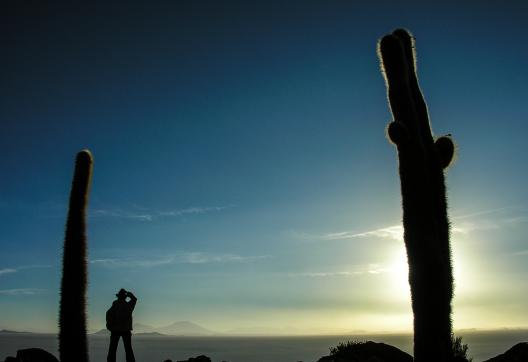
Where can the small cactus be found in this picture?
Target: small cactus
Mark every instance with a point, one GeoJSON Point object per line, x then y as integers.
{"type": "Point", "coordinates": [73, 343]}
{"type": "Point", "coordinates": [422, 161]}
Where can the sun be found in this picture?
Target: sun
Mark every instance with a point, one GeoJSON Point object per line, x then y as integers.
{"type": "Point", "coordinates": [399, 275]}
{"type": "Point", "coordinates": [398, 270]}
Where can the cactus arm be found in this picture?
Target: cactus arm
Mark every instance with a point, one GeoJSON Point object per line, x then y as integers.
{"type": "Point", "coordinates": [408, 45]}
{"type": "Point", "coordinates": [396, 71]}
{"type": "Point", "coordinates": [73, 344]}
{"type": "Point", "coordinates": [446, 151]}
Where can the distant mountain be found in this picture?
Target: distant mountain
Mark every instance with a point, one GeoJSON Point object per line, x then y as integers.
{"type": "Point", "coordinates": [265, 331]}
{"type": "Point", "coordinates": [150, 334]}
{"type": "Point", "coordinates": [106, 332]}
{"type": "Point", "coordinates": [102, 332]}
{"type": "Point", "coordinates": [182, 328]}
{"type": "Point", "coordinates": [7, 331]}
{"type": "Point", "coordinates": [185, 328]}
{"type": "Point", "coordinates": [143, 328]}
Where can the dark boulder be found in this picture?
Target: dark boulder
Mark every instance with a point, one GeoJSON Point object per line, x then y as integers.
{"type": "Point", "coordinates": [368, 352]}
{"type": "Point", "coordinates": [201, 358]}
{"type": "Point", "coordinates": [33, 355]}
{"type": "Point", "coordinates": [518, 353]}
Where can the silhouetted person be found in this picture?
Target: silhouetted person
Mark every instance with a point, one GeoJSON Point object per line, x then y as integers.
{"type": "Point", "coordinates": [119, 322]}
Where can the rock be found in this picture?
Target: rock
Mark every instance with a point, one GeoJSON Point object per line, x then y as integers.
{"type": "Point", "coordinates": [34, 355]}
{"type": "Point", "coordinates": [201, 358]}
{"type": "Point", "coordinates": [518, 353]}
{"type": "Point", "coordinates": [326, 359]}
{"type": "Point", "coordinates": [369, 352]}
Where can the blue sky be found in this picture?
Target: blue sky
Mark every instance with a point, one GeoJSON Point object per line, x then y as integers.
{"type": "Point", "coordinates": [242, 177]}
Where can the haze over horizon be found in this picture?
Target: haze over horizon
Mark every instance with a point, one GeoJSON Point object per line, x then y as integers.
{"type": "Point", "coordinates": [242, 176]}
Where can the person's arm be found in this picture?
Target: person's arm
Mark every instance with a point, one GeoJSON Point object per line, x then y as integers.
{"type": "Point", "coordinates": [133, 300]}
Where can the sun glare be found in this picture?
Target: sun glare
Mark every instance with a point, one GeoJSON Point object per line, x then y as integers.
{"type": "Point", "coordinates": [398, 270]}
{"type": "Point", "coordinates": [399, 275]}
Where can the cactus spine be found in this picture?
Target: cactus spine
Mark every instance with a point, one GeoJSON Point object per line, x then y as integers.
{"type": "Point", "coordinates": [73, 343]}
{"type": "Point", "coordinates": [422, 161]}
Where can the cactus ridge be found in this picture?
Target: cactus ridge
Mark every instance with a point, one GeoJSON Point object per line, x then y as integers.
{"type": "Point", "coordinates": [422, 161]}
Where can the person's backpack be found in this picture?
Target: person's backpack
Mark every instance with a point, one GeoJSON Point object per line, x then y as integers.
{"type": "Point", "coordinates": [111, 317]}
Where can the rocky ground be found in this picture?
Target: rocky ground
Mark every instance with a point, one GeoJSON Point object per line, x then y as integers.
{"type": "Point", "coordinates": [360, 352]}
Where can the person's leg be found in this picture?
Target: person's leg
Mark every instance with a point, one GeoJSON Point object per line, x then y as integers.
{"type": "Point", "coordinates": [127, 341]}
{"type": "Point", "coordinates": [112, 349]}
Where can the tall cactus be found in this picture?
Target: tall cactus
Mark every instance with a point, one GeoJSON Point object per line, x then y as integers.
{"type": "Point", "coordinates": [73, 343]}
{"type": "Point", "coordinates": [422, 161]}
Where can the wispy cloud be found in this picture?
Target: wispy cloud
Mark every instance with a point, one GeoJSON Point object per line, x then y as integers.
{"type": "Point", "coordinates": [146, 215]}
{"type": "Point", "coordinates": [133, 212]}
{"type": "Point", "coordinates": [34, 266]}
{"type": "Point", "coordinates": [181, 258]}
{"type": "Point", "coordinates": [468, 227]}
{"type": "Point", "coordinates": [117, 213]}
{"type": "Point", "coordinates": [131, 263]}
{"type": "Point", "coordinates": [363, 270]}
{"type": "Point", "coordinates": [521, 253]}
{"type": "Point", "coordinates": [195, 210]}
{"type": "Point", "coordinates": [324, 274]}
{"type": "Point", "coordinates": [7, 271]}
{"type": "Point", "coordinates": [474, 214]}
{"type": "Point", "coordinates": [22, 267]}
{"type": "Point", "coordinates": [394, 232]}
{"type": "Point", "coordinates": [202, 258]}
{"type": "Point", "coordinates": [488, 220]}
{"type": "Point", "coordinates": [461, 224]}
{"type": "Point", "coordinates": [21, 291]}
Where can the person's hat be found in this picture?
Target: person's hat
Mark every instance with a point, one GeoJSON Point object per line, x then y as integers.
{"type": "Point", "coordinates": [121, 293]}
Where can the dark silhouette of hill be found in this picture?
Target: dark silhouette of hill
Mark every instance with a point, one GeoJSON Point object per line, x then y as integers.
{"type": "Point", "coordinates": [32, 355]}
{"type": "Point", "coordinates": [518, 353]}
{"type": "Point", "coordinates": [366, 352]}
